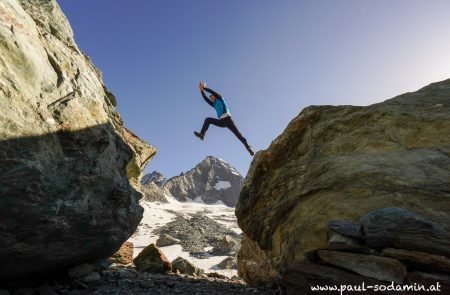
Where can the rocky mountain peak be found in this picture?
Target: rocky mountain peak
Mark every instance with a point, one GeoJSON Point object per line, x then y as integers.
{"type": "Point", "coordinates": [214, 163]}
{"type": "Point", "coordinates": [210, 181]}
{"type": "Point", "coordinates": [156, 177]}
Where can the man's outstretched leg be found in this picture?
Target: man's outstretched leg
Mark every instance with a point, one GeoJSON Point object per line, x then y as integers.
{"type": "Point", "coordinates": [208, 121]}
{"type": "Point", "coordinates": [230, 124]}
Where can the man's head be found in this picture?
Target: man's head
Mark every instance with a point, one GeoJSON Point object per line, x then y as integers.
{"type": "Point", "coordinates": [212, 97]}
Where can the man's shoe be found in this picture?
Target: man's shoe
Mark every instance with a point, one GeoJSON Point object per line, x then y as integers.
{"type": "Point", "coordinates": [199, 135]}
{"type": "Point", "coordinates": [249, 149]}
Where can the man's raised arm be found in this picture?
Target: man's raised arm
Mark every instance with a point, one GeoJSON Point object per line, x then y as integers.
{"type": "Point", "coordinates": [208, 101]}
{"type": "Point", "coordinates": [217, 95]}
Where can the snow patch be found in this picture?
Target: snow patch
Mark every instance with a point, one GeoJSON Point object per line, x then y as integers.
{"type": "Point", "coordinates": [219, 202]}
{"type": "Point", "coordinates": [158, 214]}
{"type": "Point", "coordinates": [198, 199]}
{"type": "Point", "coordinates": [221, 184]}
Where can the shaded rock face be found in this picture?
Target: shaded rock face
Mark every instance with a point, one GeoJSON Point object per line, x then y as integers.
{"type": "Point", "coordinates": [340, 162]}
{"type": "Point", "coordinates": [211, 180]}
{"type": "Point", "coordinates": [68, 166]}
{"type": "Point", "coordinates": [253, 264]}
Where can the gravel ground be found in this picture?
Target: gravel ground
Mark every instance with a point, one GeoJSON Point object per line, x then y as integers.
{"type": "Point", "coordinates": [197, 233]}
{"type": "Point", "coordinates": [127, 280]}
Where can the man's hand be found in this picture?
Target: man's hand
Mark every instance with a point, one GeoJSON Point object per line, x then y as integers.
{"type": "Point", "coordinates": [202, 85]}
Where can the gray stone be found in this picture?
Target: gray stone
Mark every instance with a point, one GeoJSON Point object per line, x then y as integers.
{"type": "Point", "coordinates": [346, 228]}
{"type": "Point", "coordinates": [380, 268]}
{"type": "Point", "coordinates": [69, 169]}
{"type": "Point", "coordinates": [228, 263]}
{"type": "Point", "coordinates": [399, 228]}
{"type": "Point", "coordinates": [80, 271]}
{"type": "Point", "coordinates": [226, 246]}
{"type": "Point", "coordinates": [186, 267]}
{"type": "Point", "coordinates": [419, 260]}
{"type": "Point", "coordinates": [92, 277]}
{"type": "Point", "coordinates": [337, 241]}
{"type": "Point", "coordinates": [166, 240]}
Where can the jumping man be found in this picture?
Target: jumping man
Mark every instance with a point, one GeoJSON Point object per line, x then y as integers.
{"type": "Point", "coordinates": [223, 113]}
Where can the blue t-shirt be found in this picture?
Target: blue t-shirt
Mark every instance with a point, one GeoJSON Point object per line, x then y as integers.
{"type": "Point", "coordinates": [219, 103]}
{"type": "Point", "coordinates": [220, 106]}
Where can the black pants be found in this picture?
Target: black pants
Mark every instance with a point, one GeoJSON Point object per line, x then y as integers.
{"type": "Point", "coordinates": [225, 122]}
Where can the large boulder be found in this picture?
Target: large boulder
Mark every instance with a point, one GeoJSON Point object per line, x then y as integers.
{"type": "Point", "coordinates": [69, 169]}
{"type": "Point", "coordinates": [339, 162]}
{"type": "Point", "coordinates": [166, 240]}
{"type": "Point", "coordinates": [153, 260]}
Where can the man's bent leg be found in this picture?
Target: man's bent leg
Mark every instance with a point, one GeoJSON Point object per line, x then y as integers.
{"type": "Point", "coordinates": [209, 121]}
{"type": "Point", "coordinates": [230, 124]}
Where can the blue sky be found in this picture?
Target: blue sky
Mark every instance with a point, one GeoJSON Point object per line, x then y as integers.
{"type": "Point", "coordinates": [269, 59]}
